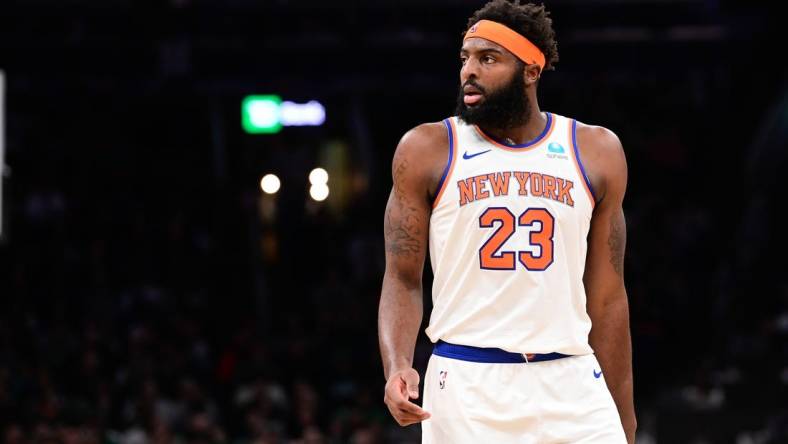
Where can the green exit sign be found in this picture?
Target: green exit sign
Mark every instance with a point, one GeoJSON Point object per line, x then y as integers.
{"type": "Point", "coordinates": [261, 114]}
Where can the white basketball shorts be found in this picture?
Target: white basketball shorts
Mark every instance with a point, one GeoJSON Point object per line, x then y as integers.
{"type": "Point", "coordinates": [484, 395]}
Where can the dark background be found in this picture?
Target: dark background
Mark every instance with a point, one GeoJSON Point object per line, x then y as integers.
{"type": "Point", "coordinates": [149, 292]}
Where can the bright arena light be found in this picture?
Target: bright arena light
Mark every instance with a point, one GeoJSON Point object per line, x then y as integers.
{"type": "Point", "coordinates": [260, 114]}
{"type": "Point", "coordinates": [319, 191]}
{"type": "Point", "coordinates": [267, 114]}
{"type": "Point", "coordinates": [270, 183]}
{"type": "Point", "coordinates": [318, 176]}
{"type": "Point", "coordinates": [311, 113]}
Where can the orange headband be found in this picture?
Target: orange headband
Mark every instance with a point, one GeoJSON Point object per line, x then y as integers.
{"type": "Point", "coordinates": [509, 39]}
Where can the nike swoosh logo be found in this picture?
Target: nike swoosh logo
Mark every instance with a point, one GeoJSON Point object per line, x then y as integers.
{"type": "Point", "coordinates": [597, 375]}
{"type": "Point", "coordinates": [466, 156]}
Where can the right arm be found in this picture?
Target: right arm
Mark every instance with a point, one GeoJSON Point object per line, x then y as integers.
{"type": "Point", "coordinates": [416, 166]}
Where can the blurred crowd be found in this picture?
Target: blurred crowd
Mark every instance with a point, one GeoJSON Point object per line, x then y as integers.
{"type": "Point", "coordinates": [157, 360]}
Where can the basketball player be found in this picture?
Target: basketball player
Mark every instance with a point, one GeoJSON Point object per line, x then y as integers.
{"type": "Point", "coordinates": [522, 209]}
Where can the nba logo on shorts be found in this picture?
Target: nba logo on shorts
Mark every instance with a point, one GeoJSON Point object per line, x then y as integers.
{"type": "Point", "coordinates": [442, 379]}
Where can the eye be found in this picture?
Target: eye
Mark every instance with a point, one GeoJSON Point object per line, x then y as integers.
{"type": "Point", "coordinates": [488, 59]}
{"type": "Point", "coordinates": [463, 59]}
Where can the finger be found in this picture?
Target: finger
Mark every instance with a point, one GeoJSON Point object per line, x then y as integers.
{"type": "Point", "coordinates": [420, 416]}
{"type": "Point", "coordinates": [404, 416]}
{"type": "Point", "coordinates": [411, 379]}
{"type": "Point", "coordinates": [410, 407]}
{"type": "Point", "coordinates": [402, 407]}
{"type": "Point", "coordinates": [408, 420]}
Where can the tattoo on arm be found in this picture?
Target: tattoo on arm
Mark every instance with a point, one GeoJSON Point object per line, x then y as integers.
{"type": "Point", "coordinates": [401, 233]}
{"type": "Point", "coordinates": [402, 221]}
{"type": "Point", "coordinates": [617, 242]}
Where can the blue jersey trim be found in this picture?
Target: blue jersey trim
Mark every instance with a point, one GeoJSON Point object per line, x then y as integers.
{"type": "Point", "coordinates": [577, 156]}
{"type": "Point", "coordinates": [532, 142]}
{"type": "Point", "coordinates": [448, 164]}
{"type": "Point", "coordinates": [488, 355]}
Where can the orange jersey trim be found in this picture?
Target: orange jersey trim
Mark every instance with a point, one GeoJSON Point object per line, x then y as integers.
{"type": "Point", "coordinates": [528, 146]}
{"type": "Point", "coordinates": [578, 164]}
{"type": "Point", "coordinates": [452, 131]}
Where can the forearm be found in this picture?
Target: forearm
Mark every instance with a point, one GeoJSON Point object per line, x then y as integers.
{"type": "Point", "coordinates": [399, 319]}
{"type": "Point", "coordinates": [610, 339]}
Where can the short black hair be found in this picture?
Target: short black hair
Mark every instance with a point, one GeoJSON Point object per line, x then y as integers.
{"type": "Point", "coordinates": [530, 20]}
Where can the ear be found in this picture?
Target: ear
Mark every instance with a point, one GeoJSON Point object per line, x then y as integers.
{"type": "Point", "coordinates": [532, 73]}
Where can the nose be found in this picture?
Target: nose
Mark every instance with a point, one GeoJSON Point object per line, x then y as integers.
{"type": "Point", "coordinates": [469, 70]}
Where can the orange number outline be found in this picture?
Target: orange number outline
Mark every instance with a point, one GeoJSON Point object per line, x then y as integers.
{"type": "Point", "coordinates": [490, 258]}
{"type": "Point", "coordinates": [543, 238]}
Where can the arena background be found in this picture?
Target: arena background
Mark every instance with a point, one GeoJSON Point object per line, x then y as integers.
{"type": "Point", "coordinates": [150, 292]}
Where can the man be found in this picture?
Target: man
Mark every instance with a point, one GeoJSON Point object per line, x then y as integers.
{"type": "Point", "coordinates": [522, 210]}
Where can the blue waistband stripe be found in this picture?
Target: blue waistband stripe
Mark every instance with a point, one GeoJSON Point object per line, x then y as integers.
{"type": "Point", "coordinates": [488, 354]}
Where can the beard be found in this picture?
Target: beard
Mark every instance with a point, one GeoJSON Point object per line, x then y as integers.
{"type": "Point", "coordinates": [504, 108]}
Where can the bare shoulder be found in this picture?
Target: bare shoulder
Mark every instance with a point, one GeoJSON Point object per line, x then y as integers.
{"type": "Point", "coordinates": [421, 155]}
{"type": "Point", "coordinates": [603, 156]}
{"type": "Point", "coordinates": [424, 141]}
{"type": "Point", "coordinates": [424, 135]}
{"type": "Point", "coordinates": [597, 142]}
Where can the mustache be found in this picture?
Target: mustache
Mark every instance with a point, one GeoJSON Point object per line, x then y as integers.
{"type": "Point", "coordinates": [473, 83]}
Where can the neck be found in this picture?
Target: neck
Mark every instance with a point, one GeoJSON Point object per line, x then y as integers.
{"type": "Point", "coordinates": [524, 133]}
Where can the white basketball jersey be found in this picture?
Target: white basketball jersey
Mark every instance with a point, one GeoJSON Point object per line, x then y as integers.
{"type": "Point", "coordinates": [508, 242]}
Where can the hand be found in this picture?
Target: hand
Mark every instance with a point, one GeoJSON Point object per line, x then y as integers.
{"type": "Point", "coordinates": [402, 386]}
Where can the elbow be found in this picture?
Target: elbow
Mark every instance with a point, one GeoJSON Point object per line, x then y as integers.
{"type": "Point", "coordinates": [403, 280]}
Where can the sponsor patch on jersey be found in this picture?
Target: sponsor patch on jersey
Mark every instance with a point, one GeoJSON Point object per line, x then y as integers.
{"type": "Point", "coordinates": [556, 151]}
{"type": "Point", "coordinates": [555, 147]}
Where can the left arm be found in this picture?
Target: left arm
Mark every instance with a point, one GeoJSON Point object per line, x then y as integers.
{"type": "Point", "coordinates": [604, 273]}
